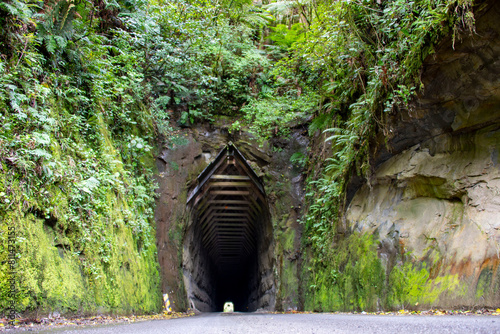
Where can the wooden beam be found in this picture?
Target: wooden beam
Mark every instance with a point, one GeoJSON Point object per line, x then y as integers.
{"type": "Point", "coordinates": [207, 214]}
{"type": "Point", "coordinates": [217, 247]}
{"type": "Point", "coordinates": [219, 160]}
{"type": "Point", "coordinates": [216, 240]}
{"type": "Point", "coordinates": [231, 208]}
{"type": "Point", "coordinates": [240, 246]}
{"type": "Point", "coordinates": [202, 206]}
{"type": "Point", "coordinates": [230, 184]}
{"type": "Point", "coordinates": [211, 214]}
{"type": "Point", "coordinates": [225, 245]}
{"type": "Point", "coordinates": [236, 240]}
{"type": "Point", "coordinates": [207, 204]}
{"type": "Point", "coordinates": [234, 226]}
{"type": "Point", "coordinates": [230, 177]}
{"type": "Point", "coordinates": [230, 192]}
{"type": "Point", "coordinates": [243, 169]}
{"type": "Point", "coordinates": [237, 221]}
{"type": "Point", "coordinates": [229, 222]}
{"type": "Point", "coordinates": [229, 233]}
{"type": "Point", "coordinates": [214, 225]}
{"type": "Point", "coordinates": [230, 214]}
{"type": "Point", "coordinates": [207, 238]}
{"type": "Point", "coordinates": [228, 201]}
{"type": "Point", "coordinates": [256, 204]}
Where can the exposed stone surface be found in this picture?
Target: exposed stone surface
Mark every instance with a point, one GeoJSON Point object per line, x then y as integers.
{"type": "Point", "coordinates": [198, 273]}
{"type": "Point", "coordinates": [177, 164]}
{"type": "Point", "coordinates": [435, 191]}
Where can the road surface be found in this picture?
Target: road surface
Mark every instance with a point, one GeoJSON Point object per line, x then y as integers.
{"type": "Point", "coordinates": [228, 323]}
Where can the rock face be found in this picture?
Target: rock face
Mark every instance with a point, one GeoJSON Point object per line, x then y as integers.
{"type": "Point", "coordinates": [179, 162]}
{"type": "Point", "coordinates": [435, 191]}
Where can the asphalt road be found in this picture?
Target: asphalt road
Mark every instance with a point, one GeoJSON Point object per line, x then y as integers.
{"type": "Point", "coordinates": [225, 323]}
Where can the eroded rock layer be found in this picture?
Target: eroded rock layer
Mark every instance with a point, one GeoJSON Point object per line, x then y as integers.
{"type": "Point", "coordinates": [435, 192]}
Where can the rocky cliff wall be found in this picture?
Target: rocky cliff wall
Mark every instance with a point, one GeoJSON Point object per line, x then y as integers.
{"type": "Point", "coordinates": [434, 195]}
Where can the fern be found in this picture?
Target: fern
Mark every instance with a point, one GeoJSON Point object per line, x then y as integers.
{"type": "Point", "coordinates": [319, 123]}
{"type": "Point", "coordinates": [15, 8]}
{"type": "Point", "coordinates": [56, 27]}
{"type": "Point", "coordinates": [254, 18]}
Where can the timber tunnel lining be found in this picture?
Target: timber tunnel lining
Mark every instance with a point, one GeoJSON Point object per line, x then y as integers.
{"type": "Point", "coordinates": [227, 249]}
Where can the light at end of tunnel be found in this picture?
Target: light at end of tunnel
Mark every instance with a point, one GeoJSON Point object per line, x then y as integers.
{"type": "Point", "coordinates": [228, 307]}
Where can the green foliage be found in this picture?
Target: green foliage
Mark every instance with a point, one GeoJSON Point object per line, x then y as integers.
{"type": "Point", "coordinates": [244, 12]}
{"type": "Point", "coordinates": [298, 159]}
{"type": "Point", "coordinates": [76, 165]}
{"type": "Point", "coordinates": [285, 37]}
{"type": "Point", "coordinates": [291, 11]}
{"type": "Point", "coordinates": [363, 60]}
{"type": "Point", "coordinates": [271, 116]}
{"type": "Point", "coordinates": [197, 66]}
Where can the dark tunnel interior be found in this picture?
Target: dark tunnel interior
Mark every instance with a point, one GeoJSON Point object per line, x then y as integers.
{"type": "Point", "coordinates": [227, 248]}
{"type": "Point", "coordinates": [233, 283]}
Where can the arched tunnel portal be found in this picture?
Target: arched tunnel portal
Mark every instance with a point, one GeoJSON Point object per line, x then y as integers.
{"type": "Point", "coordinates": [227, 253]}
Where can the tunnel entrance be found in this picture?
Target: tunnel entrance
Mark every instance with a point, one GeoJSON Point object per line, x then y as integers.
{"type": "Point", "coordinates": [227, 255]}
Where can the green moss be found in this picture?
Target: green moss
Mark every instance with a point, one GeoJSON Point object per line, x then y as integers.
{"type": "Point", "coordinates": [117, 279]}
{"type": "Point", "coordinates": [289, 284]}
{"type": "Point", "coordinates": [76, 179]}
{"type": "Point", "coordinates": [483, 283]}
{"type": "Point", "coordinates": [285, 248]}
{"type": "Point", "coordinates": [84, 231]}
{"type": "Point", "coordinates": [427, 186]}
{"type": "Point", "coordinates": [411, 285]}
{"type": "Point", "coordinates": [288, 240]}
{"type": "Point", "coordinates": [351, 277]}
{"type": "Point", "coordinates": [47, 275]}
